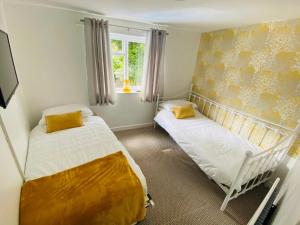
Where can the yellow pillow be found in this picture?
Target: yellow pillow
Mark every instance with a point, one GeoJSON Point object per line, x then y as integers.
{"type": "Point", "coordinates": [63, 121]}
{"type": "Point", "coordinates": [182, 112]}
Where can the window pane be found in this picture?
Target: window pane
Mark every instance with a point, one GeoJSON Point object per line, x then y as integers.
{"type": "Point", "coordinates": [118, 70]}
{"type": "Point", "coordinates": [135, 63]}
{"type": "Point", "coordinates": [116, 45]}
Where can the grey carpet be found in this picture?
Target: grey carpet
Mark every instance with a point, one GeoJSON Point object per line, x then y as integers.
{"type": "Point", "coordinates": [182, 192]}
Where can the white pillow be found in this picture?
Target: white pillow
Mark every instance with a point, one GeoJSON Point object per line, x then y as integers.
{"type": "Point", "coordinates": [168, 105]}
{"type": "Point", "coordinates": [86, 112]}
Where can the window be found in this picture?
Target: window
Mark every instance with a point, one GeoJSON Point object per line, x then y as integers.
{"type": "Point", "coordinates": [127, 59]}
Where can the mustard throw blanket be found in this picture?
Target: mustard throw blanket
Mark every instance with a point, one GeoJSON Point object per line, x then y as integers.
{"type": "Point", "coordinates": [105, 191]}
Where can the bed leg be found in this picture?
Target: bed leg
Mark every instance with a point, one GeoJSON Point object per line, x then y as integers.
{"type": "Point", "coordinates": [225, 202]}
{"type": "Point", "coordinates": [154, 124]}
{"type": "Point", "coordinates": [235, 180]}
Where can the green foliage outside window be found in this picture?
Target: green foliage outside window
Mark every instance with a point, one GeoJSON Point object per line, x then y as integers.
{"type": "Point", "coordinates": [135, 62]}
{"type": "Point", "coordinates": [116, 45]}
{"type": "Point", "coordinates": [118, 69]}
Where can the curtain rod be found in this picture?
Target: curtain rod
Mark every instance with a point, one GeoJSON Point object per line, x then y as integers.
{"type": "Point", "coordinates": [132, 28]}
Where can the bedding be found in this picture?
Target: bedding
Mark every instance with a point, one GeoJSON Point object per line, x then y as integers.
{"type": "Point", "coordinates": [103, 191]}
{"type": "Point", "coordinates": [50, 153]}
{"type": "Point", "coordinates": [217, 151]}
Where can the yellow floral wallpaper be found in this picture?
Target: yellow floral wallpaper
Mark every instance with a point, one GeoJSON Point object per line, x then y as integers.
{"type": "Point", "coordinates": [255, 69]}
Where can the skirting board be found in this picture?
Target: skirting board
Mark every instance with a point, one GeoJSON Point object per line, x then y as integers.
{"type": "Point", "coordinates": [130, 127]}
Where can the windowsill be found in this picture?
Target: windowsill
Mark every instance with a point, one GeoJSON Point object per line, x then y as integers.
{"type": "Point", "coordinates": [120, 91]}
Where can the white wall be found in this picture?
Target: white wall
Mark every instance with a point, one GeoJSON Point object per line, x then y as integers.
{"type": "Point", "coordinates": [14, 119]}
{"type": "Point", "coordinates": [10, 186]}
{"type": "Point", "coordinates": [181, 51]}
{"type": "Point", "coordinates": [289, 207]}
{"type": "Point", "coordinates": [128, 111]}
{"type": "Point", "coordinates": [49, 44]}
{"type": "Point", "coordinates": [16, 116]}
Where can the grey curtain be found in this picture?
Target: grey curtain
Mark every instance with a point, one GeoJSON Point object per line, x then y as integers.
{"type": "Point", "coordinates": [98, 62]}
{"type": "Point", "coordinates": [154, 67]}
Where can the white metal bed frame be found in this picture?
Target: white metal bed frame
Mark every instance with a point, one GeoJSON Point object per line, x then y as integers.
{"type": "Point", "coordinates": [263, 163]}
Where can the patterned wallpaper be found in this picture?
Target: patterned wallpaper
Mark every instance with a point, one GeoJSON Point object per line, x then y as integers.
{"type": "Point", "coordinates": [255, 69]}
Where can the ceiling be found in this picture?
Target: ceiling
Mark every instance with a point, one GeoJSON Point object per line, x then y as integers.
{"type": "Point", "coordinates": [202, 15]}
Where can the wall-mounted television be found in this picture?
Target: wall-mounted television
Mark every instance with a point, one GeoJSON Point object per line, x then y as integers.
{"type": "Point", "coordinates": [8, 76]}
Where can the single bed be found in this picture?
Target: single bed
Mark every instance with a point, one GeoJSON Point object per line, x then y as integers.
{"type": "Point", "coordinates": [53, 154]}
{"type": "Point", "coordinates": [234, 149]}
{"type": "Point", "coordinates": [217, 151]}
{"type": "Point", "coordinates": [50, 153]}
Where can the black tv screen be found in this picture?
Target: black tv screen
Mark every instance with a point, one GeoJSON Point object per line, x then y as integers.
{"type": "Point", "coordinates": [8, 76]}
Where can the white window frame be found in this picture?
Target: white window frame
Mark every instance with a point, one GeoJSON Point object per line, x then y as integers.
{"type": "Point", "coordinates": [125, 39]}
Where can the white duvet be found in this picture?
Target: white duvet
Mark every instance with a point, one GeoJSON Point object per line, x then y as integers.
{"type": "Point", "coordinates": [54, 152]}
{"type": "Point", "coordinates": [217, 151]}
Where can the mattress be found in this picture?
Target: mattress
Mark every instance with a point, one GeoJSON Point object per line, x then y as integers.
{"type": "Point", "coordinates": [217, 151]}
{"type": "Point", "coordinates": [50, 153]}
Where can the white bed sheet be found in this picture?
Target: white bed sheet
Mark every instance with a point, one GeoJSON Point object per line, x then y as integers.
{"type": "Point", "coordinates": [217, 151]}
{"type": "Point", "coordinates": [55, 152]}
